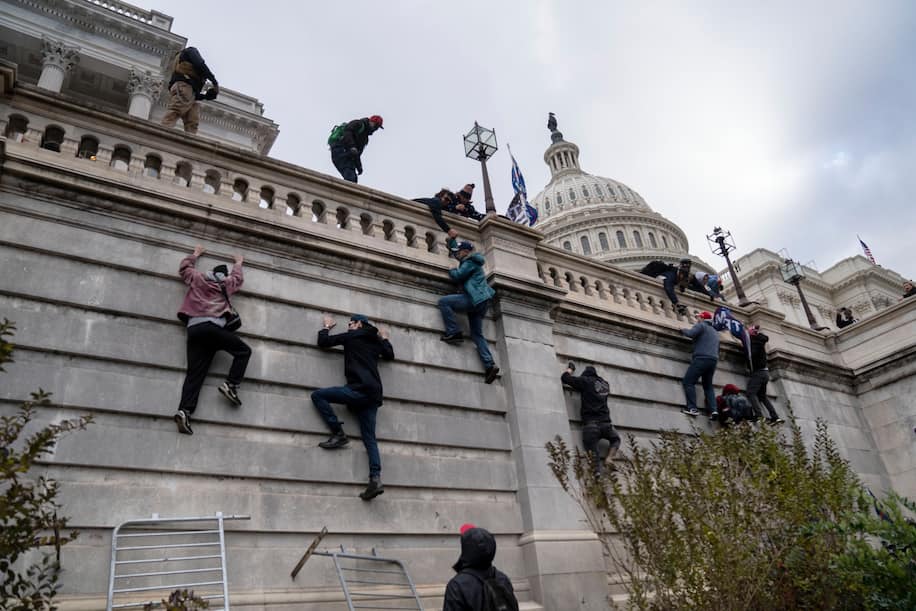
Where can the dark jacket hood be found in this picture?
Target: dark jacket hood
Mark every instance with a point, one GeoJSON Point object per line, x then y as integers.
{"type": "Point", "coordinates": [478, 548]}
{"type": "Point", "coordinates": [590, 372]}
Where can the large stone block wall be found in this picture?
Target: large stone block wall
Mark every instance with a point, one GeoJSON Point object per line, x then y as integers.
{"type": "Point", "coordinates": [88, 270]}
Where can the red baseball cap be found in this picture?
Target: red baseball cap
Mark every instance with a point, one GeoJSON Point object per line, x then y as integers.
{"type": "Point", "coordinates": [377, 119]}
{"type": "Point", "coordinates": [705, 315]}
{"type": "Point", "coordinates": [466, 527]}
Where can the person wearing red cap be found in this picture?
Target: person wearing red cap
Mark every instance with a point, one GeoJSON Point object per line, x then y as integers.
{"type": "Point", "coordinates": [347, 145]}
{"type": "Point", "coordinates": [702, 365]}
{"type": "Point", "coordinates": [732, 405]}
{"type": "Point", "coordinates": [478, 584]}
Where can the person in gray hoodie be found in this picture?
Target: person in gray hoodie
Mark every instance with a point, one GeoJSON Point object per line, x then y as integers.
{"type": "Point", "coordinates": [702, 365]}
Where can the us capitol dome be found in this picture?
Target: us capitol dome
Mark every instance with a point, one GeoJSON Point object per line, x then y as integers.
{"type": "Point", "coordinates": [602, 218]}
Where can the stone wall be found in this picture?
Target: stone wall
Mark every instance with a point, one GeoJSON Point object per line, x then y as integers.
{"type": "Point", "coordinates": [88, 261]}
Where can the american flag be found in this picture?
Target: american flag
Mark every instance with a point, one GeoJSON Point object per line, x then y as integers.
{"type": "Point", "coordinates": [520, 210]}
{"type": "Point", "coordinates": [867, 251]}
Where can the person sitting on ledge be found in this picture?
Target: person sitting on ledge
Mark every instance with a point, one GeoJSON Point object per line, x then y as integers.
{"type": "Point", "coordinates": [437, 203]}
{"type": "Point", "coordinates": [474, 299]}
{"type": "Point", "coordinates": [204, 311]}
{"type": "Point", "coordinates": [363, 345]}
{"type": "Point", "coordinates": [844, 318]}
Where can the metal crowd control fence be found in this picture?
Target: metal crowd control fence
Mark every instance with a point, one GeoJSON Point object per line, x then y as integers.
{"type": "Point", "coordinates": [368, 582]}
{"type": "Point", "coordinates": [193, 556]}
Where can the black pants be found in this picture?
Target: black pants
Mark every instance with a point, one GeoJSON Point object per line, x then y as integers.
{"type": "Point", "coordinates": [204, 341]}
{"type": "Point", "coordinates": [757, 393]}
{"type": "Point", "coordinates": [593, 432]}
{"type": "Point", "coordinates": [345, 162]}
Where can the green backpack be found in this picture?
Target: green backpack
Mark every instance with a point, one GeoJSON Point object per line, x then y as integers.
{"type": "Point", "coordinates": [336, 134]}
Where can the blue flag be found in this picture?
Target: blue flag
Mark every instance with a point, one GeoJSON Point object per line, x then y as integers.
{"type": "Point", "coordinates": [723, 320]}
{"type": "Point", "coordinates": [520, 211]}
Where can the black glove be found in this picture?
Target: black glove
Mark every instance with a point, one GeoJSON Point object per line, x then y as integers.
{"type": "Point", "coordinates": [571, 366]}
{"type": "Point", "coordinates": [211, 93]}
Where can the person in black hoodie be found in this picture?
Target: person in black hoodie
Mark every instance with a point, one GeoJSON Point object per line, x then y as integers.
{"type": "Point", "coordinates": [189, 74]}
{"type": "Point", "coordinates": [760, 376]}
{"type": "Point", "coordinates": [594, 413]}
{"type": "Point", "coordinates": [442, 200]}
{"type": "Point", "coordinates": [363, 346]}
{"type": "Point", "coordinates": [478, 585]}
{"type": "Point", "coordinates": [347, 150]}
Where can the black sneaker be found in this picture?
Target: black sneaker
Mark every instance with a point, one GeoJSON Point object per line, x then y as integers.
{"type": "Point", "coordinates": [490, 374]}
{"type": "Point", "coordinates": [183, 421]}
{"type": "Point", "coordinates": [452, 338]}
{"type": "Point", "coordinates": [231, 393]}
{"type": "Point", "coordinates": [713, 416]}
{"type": "Point", "coordinates": [374, 489]}
{"type": "Point", "coordinates": [337, 440]}
{"type": "Point", "coordinates": [775, 421]}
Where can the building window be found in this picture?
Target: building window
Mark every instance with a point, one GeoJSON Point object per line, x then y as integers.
{"type": "Point", "coordinates": [16, 128]}
{"type": "Point", "coordinates": [652, 241]}
{"type": "Point", "coordinates": [586, 247]}
{"type": "Point", "coordinates": [120, 158]}
{"type": "Point", "coordinates": [559, 199]}
{"type": "Point", "coordinates": [602, 239]}
{"type": "Point", "coordinates": [665, 241]}
{"type": "Point", "coordinates": [567, 245]}
{"type": "Point", "coordinates": [183, 174]}
{"type": "Point", "coordinates": [572, 195]}
{"type": "Point", "coordinates": [152, 166]}
{"type": "Point", "coordinates": [52, 138]}
{"type": "Point", "coordinates": [584, 191]}
{"type": "Point", "coordinates": [88, 148]}
{"type": "Point", "coordinates": [621, 240]}
{"type": "Point", "coordinates": [293, 203]}
{"type": "Point", "coordinates": [637, 239]}
{"type": "Point", "coordinates": [598, 191]}
{"type": "Point", "coordinates": [239, 190]}
{"type": "Point", "coordinates": [546, 203]}
{"type": "Point", "coordinates": [267, 198]}
{"type": "Point", "coordinates": [212, 181]}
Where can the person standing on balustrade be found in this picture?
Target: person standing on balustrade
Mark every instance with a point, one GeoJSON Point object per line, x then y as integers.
{"type": "Point", "coordinates": [189, 75]}
{"type": "Point", "coordinates": [207, 312]}
{"type": "Point", "coordinates": [363, 346]}
{"type": "Point", "coordinates": [347, 142]}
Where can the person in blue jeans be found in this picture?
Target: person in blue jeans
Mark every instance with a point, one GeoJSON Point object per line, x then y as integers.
{"type": "Point", "coordinates": [702, 365]}
{"type": "Point", "coordinates": [474, 299]}
{"type": "Point", "coordinates": [363, 345]}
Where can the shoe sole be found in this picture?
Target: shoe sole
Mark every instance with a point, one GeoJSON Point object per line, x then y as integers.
{"type": "Point", "coordinates": [454, 342]}
{"type": "Point", "coordinates": [343, 445]}
{"type": "Point", "coordinates": [183, 428]}
{"type": "Point", "coordinates": [694, 414]}
{"type": "Point", "coordinates": [369, 498]}
{"type": "Point", "coordinates": [225, 393]}
{"type": "Point", "coordinates": [491, 378]}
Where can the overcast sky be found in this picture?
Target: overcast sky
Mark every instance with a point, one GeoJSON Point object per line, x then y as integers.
{"type": "Point", "coordinates": [789, 123]}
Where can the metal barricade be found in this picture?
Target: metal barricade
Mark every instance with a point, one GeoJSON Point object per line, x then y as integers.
{"type": "Point", "coordinates": [193, 557]}
{"type": "Point", "coordinates": [368, 582]}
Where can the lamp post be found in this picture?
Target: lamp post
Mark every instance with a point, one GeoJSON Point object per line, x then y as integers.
{"type": "Point", "coordinates": [792, 273]}
{"type": "Point", "coordinates": [721, 243]}
{"type": "Point", "coordinates": [480, 144]}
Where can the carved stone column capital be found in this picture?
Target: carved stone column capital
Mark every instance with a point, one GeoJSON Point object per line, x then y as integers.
{"type": "Point", "coordinates": [57, 54]}
{"type": "Point", "coordinates": [145, 83]}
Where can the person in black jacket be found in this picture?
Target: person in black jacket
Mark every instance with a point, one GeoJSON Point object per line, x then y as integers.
{"type": "Point", "coordinates": [594, 413]}
{"type": "Point", "coordinates": [462, 204]}
{"type": "Point", "coordinates": [363, 346]}
{"type": "Point", "coordinates": [672, 277]}
{"type": "Point", "coordinates": [442, 200]}
{"type": "Point", "coordinates": [760, 376]}
{"type": "Point", "coordinates": [844, 318]}
{"type": "Point", "coordinates": [908, 290]}
{"type": "Point", "coordinates": [189, 74]}
{"type": "Point", "coordinates": [468, 590]}
{"type": "Point", "coordinates": [346, 152]}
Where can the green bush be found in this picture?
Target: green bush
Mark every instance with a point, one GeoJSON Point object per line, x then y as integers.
{"type": "Point", "coordinates": [29, 517]}
{"type": "Point", "coordinates": [742, 519]}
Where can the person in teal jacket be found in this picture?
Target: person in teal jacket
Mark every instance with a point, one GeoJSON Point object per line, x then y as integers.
{"type": "Point", "coordinates": [474, 299]}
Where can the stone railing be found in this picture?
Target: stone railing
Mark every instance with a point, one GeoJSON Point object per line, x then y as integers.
{"type": "Point", "coordinates": [266, 190]}
{"type": "Point", "coordinates": [132, 12]}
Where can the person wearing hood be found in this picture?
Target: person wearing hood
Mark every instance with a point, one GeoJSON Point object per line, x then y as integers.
{"type": "Point", "coordinates": [478, 585]}
{"type": "Point", "coordinates": [462, 204]}
{"type": "Point", "coordinates": [672, 277]}
{"type": "Point", "coordinates": [474, 299]}
{"type": "Point", "coordinates": [708, 284]}
{"type": "Point", "coordinates": [702, 365]}
{"type": "Point", "coordinates": [732, 406]}
{"type": "Point", "coordinates": [593, 412]}
{"type": "Point", "coordinates": [189, 74]}
{"type": "Point", "coordinates": [204, 311]}
{"type": "Point", "coordinates": [363, 345]}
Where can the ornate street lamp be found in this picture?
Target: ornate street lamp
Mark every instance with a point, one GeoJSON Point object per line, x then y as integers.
{"type": "Point", "coordinates": [721, 243]}
{"type": "Point", "coordinates": [793, 273]}
{"type": "Point", "coordinates": [480, 144]}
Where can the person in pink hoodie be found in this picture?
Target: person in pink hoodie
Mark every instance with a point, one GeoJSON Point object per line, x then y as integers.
{"type": "Point", "coordinates": [205, 311]}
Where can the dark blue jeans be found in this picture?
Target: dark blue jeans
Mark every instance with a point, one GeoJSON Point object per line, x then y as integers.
{"type": "Point", "coordinates": [702, 367]}
{"type": "Point", "coordinates": [344, 162]}
{"type": "Point", "coordinates": [450, 304]}
{"type": "Point", "coordinates": [365, 409]}
{"type": "Point", "coordinates": [670, 281]}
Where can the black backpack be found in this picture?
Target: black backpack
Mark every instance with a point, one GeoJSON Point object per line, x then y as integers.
{"type": "Point", "coordinates": [655, 268]}
{"type": "Point", "coordinates": [496, 597]}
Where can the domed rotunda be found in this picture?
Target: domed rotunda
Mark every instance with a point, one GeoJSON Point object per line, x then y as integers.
{"type": "Point", "coordinates": [602, 218]}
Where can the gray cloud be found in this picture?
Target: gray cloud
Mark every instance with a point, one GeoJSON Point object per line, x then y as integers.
{"type": "Point", "coordinates": [789, 123]}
